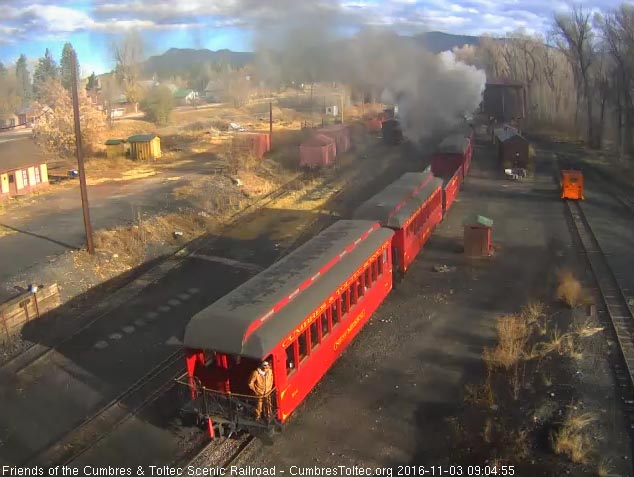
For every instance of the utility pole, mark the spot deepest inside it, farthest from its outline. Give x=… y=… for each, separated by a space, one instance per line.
x=80 y=158
x=342 y=108
x=270 y=124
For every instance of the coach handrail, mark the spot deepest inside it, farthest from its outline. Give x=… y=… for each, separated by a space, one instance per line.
x=200 y=386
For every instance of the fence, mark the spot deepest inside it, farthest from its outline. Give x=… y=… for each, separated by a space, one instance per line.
x=26 y=307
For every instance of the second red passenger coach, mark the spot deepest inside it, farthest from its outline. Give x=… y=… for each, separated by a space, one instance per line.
x=411 y=206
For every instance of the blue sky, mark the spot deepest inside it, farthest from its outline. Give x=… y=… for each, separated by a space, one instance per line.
x=92 y=26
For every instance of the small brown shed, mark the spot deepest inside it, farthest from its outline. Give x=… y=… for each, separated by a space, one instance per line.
x=513 y=149
x=477 y=236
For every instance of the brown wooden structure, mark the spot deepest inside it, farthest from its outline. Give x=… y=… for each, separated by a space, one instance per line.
x=477 y=236
x=26 y=307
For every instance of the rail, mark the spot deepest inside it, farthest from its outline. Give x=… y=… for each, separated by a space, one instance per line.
x=109 y=417
x=613 y=303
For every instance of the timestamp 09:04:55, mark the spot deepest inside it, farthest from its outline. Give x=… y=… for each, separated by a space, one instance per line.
x=448 y=470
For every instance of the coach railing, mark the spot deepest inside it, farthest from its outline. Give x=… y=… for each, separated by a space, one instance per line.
x=231 y=406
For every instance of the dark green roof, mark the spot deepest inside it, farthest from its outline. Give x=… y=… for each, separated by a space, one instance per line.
x=141 y=138
x=114 y=142
x=478 y=220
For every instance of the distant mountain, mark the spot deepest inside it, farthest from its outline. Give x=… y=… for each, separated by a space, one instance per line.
x=179 y=60
x=436 y=41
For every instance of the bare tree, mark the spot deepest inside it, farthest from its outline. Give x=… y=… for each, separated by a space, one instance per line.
x=618 y=36
x=574 y=37
x=128 y=55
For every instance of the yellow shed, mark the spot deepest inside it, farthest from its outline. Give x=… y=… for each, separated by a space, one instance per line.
x=145 y=146
x=115 y=148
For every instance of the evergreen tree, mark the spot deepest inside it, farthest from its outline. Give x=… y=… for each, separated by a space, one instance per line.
x=45 y=71
x=24 y=80
x=93 y=83
x=65 y=65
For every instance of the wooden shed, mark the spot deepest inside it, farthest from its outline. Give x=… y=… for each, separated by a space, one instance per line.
x=115 y=148
x=513 y=149
x=145 y=146
x=477 y=236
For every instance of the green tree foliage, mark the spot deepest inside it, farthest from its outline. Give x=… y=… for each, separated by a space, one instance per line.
x=23 y=79
x=65 y=66
x=92 y=83
x=158 y=105
x=3 y=70
x=45 y=70
x=9 y=97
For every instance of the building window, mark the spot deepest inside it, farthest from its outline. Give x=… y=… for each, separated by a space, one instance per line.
x=37 y=174
x=25 y=177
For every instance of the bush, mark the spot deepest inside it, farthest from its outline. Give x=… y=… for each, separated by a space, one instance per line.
x=158 y=105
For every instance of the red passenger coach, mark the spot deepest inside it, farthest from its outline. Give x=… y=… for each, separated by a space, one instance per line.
x=299 y=315
x=450 y=190
x=454 y=151
x=411 y=206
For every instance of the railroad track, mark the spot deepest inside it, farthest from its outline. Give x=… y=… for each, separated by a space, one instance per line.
x=36 y=352
x=613 y=303
x=108 y=418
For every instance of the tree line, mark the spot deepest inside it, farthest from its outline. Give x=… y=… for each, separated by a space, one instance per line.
x=18 y=89
x=579 y=76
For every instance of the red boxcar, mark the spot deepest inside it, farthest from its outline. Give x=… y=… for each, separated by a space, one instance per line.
x=341 y=134
x=411 y=206
x=451 y=189
x=317 y=151
x=299 y=314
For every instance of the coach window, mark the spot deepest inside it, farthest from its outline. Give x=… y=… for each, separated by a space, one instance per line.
x=314 y=334
x=380 y=265
x=368 y=276
x=302 y=342
x=334 y=310
x=375 y=270
x=360 y=286
x=324 y=325
x=290 y=358
x=345 y=302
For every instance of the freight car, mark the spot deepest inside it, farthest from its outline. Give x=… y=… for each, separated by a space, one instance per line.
x=301 y=313
x=412 y=207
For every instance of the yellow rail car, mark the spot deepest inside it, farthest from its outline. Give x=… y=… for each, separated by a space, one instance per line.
x=572 y=185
